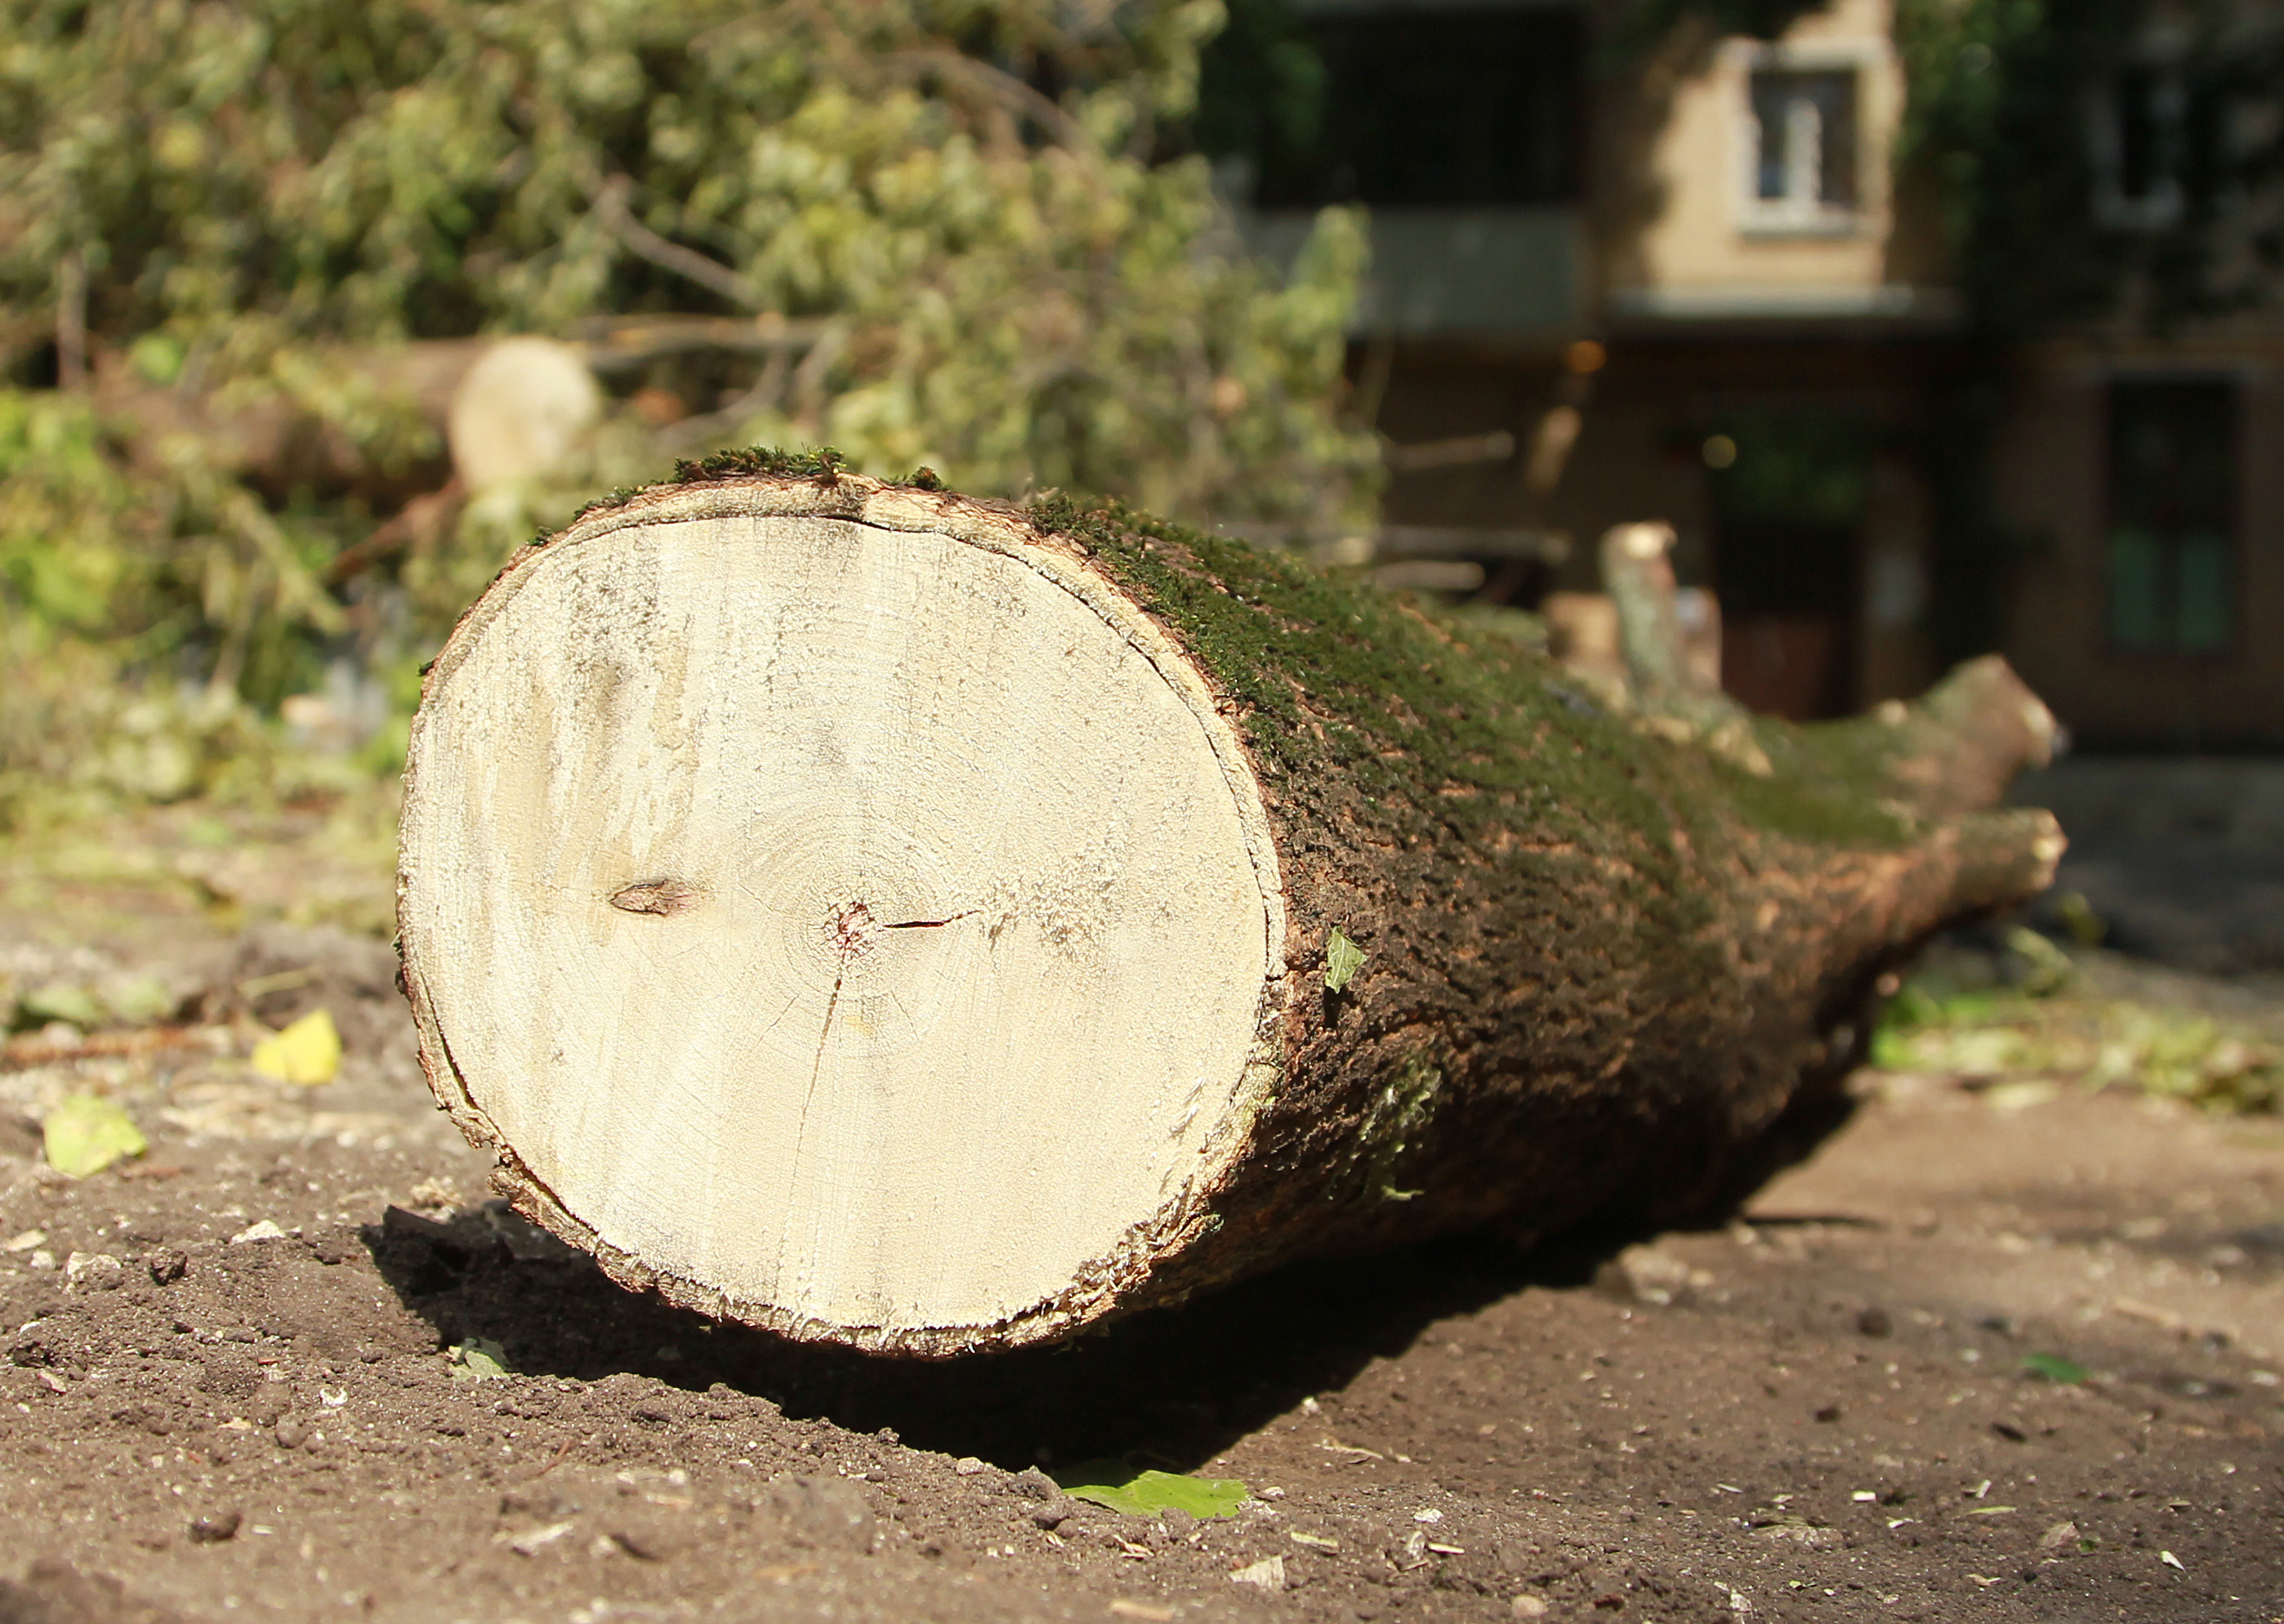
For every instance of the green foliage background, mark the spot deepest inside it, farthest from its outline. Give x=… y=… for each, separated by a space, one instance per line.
x=960 y=204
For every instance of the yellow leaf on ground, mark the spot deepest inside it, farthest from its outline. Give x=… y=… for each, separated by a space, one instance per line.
x=308 y=1052
x=87 y=1133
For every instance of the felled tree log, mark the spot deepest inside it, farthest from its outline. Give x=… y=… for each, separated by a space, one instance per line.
x=527 y=400
x=912 y=922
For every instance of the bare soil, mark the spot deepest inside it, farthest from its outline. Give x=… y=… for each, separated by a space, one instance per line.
x=1817 y=1407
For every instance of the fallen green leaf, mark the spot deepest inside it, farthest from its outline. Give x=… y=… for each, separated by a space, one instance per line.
x=308 y=1052
x=139 y=1000
x=479 y=1359
x=2053 y=1367
x=87 y=1133
x=1343 y=959
x=1119 y=1488
x=59 y=1001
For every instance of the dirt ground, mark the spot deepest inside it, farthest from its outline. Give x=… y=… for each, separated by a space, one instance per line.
x=230 y=1388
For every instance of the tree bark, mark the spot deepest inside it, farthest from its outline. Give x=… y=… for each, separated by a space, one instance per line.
x=902 y=920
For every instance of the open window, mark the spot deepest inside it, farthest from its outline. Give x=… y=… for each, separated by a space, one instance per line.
x=1806 y=163
x=2171 y=560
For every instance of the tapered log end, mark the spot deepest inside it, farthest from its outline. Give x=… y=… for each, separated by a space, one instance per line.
x=858 y=923
x=1969 y=735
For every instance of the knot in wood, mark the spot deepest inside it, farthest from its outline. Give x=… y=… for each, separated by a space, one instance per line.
x=852 y=930
x=665 y=897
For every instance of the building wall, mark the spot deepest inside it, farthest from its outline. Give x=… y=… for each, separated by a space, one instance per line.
x=1698 y=313
x=1696 y=244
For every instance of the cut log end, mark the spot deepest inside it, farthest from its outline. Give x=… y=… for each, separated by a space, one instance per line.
x=869 y=928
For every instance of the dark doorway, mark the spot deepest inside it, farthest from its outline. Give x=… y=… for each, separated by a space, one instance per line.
x=1789 y=487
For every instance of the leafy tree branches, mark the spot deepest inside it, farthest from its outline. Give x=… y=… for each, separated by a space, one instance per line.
x=951 y=203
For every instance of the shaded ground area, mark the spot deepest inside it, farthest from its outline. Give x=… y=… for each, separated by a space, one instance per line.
x=2187 y=901
x=230 y=1386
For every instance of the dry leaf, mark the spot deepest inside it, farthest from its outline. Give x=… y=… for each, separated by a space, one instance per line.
x=307 y=1053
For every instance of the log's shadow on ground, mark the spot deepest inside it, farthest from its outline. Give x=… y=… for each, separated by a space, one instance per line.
x=1170 y=1387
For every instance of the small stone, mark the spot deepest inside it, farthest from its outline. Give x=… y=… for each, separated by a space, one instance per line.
x=1646 y=1275
x=825 y=1513
x=2060 y=1535
x=96 y=1270
x=1527 y=1607
x=538 y=1502
x=531 y=1542
x=649 y=1533
x=214 y=1527
x=1267 y=1574
x=967 y=1465
x=166 y=1264
x=1050 y=1516
x=1828 y=1414
x=291 y=1433
x=263 y=1231
x=1875 y=1321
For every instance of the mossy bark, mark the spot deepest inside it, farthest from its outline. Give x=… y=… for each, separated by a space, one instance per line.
x=1603 y=949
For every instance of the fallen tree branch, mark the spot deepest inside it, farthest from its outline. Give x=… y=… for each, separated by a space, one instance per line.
x=35 y=1048
x=997 y=85
x=611 y=208
x=418 y=524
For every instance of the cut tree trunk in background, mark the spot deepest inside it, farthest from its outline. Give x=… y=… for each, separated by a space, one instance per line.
x=902 y=920
x=529 y=402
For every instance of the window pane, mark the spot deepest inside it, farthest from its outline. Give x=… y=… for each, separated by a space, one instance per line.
x=2139 y=135
x=1806 y=129
x=2173 y=477
x=2137 y=615
x=2206 y=618
x=1771 y=101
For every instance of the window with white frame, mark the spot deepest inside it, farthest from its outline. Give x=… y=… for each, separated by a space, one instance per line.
x=1802 y=128
x=2155 y=132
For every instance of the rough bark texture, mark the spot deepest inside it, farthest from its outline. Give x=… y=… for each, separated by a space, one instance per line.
x=1604 y=948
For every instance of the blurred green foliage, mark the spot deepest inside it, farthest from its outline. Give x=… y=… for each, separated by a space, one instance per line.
x=958 y=206
x=1795 y=467
x=2041 y=1020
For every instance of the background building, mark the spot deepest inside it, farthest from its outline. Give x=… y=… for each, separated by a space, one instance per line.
x=1735 y=282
